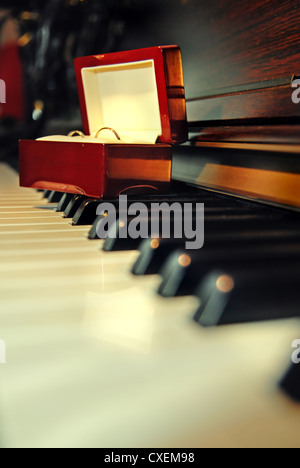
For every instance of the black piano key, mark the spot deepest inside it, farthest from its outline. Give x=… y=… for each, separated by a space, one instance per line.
x=290 y=383
x=86 y=213
x=247 y=225
x=213 y=223
x=264 y=291
x=215 y=210
x=46 y=193
x=73 y=206
x=238 y=220
x=154 y=252
x=118 y=244
x=92 y=235
x=228 y=211
x=64 y=201
x=113 y=244
x=55 y=197
x=121 y=245
x=184 y=270
x=215 y=203
x=270 y=226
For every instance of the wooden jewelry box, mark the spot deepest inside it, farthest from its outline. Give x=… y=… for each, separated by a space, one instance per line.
x=133 y=110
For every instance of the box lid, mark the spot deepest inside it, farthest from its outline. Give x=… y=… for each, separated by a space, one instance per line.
x=139 y=93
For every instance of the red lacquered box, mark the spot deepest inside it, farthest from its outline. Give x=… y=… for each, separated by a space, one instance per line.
x=133 y=110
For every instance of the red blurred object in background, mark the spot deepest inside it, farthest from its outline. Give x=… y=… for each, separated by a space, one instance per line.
x=11 y=72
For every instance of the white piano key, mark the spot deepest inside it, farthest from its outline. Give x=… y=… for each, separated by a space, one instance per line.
x=69 y=246
x=32 y=204
x=46 y=261
x=36 y=222
x=44 y=237
x=25 y=216
x=26 y=195
x=28 y=230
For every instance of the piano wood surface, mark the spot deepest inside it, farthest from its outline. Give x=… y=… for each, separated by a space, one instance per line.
x=96 y=359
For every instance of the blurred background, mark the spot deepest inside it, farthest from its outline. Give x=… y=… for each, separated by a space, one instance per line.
x=40 y=39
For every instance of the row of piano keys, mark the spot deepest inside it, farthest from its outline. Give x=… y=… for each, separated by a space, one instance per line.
x=95 y=358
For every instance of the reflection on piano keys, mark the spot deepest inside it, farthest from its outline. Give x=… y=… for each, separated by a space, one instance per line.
x=96 y=359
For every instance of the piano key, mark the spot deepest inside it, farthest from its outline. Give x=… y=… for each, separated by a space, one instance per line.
x=118 y=244
x=46 y=261
x=31 y=221
x=64 y=201
x=220 y=210
x=55 y=197
x=248 y=220
x=9 y=213
x=290 y=383
x=216 y=205
x=49 y=237
x=20 y=204
x=92 y=235
x=86 y=213
x=62 y=245
x=184 y=270
x=73 y=206
x=47 y=194
x=154 y=252
x=22 y=230
x=274 y=226
x=95 y=414
x=18 y=197
x=247 y=293
x=67 y=283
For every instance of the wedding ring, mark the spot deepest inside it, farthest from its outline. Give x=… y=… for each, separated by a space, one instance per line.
x=111 y=130
x=76 y=133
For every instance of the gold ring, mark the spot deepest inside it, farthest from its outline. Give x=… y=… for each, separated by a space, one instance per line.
x=76 y=133
x=111 y=130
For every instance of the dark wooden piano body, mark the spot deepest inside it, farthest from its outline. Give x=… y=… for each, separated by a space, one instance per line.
x=240 y=59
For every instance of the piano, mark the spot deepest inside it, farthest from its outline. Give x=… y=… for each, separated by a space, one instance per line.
x=112 y=343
